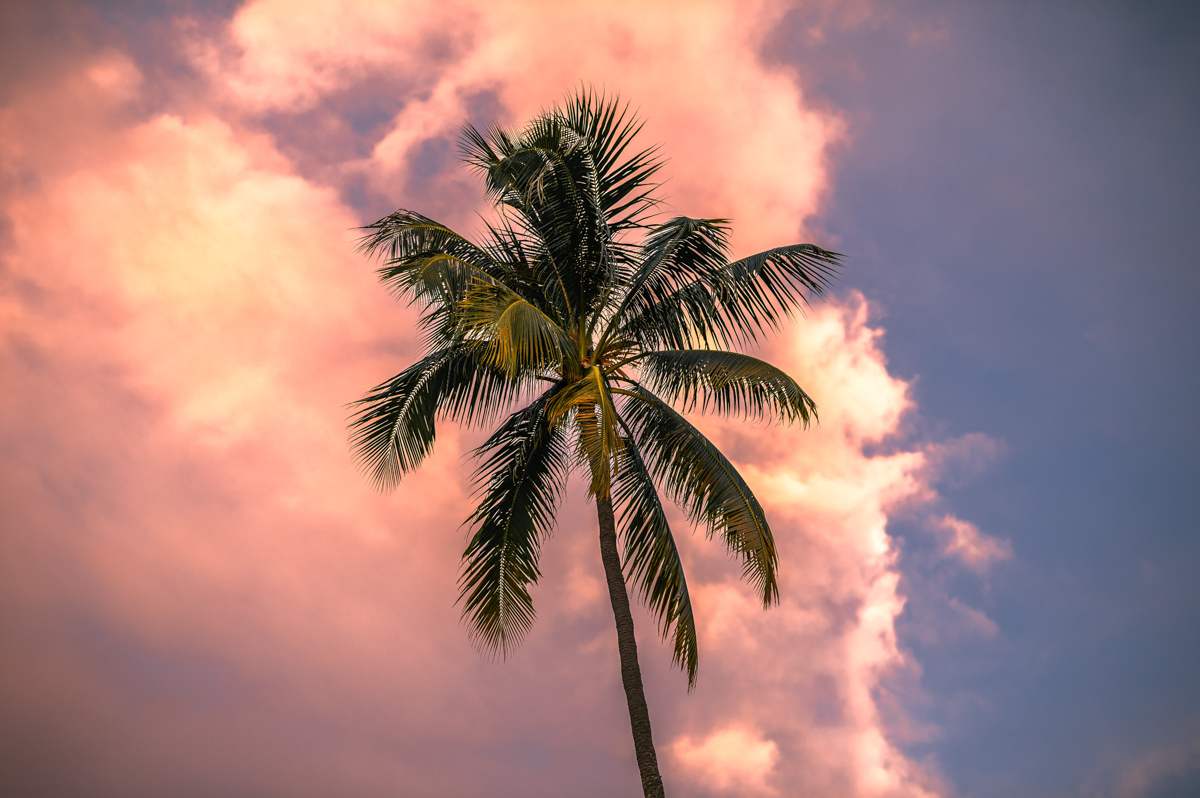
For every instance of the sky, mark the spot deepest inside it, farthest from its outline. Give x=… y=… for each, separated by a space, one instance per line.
x=987 y=552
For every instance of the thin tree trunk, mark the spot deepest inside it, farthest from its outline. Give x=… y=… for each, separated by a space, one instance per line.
x=631 y=674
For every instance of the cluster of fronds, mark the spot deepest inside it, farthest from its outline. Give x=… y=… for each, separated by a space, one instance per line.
x=613 y=323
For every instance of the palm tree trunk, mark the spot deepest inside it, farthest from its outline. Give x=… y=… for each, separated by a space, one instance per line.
x=631 y=674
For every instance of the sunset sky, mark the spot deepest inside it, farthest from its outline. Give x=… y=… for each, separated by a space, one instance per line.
x=988 y=545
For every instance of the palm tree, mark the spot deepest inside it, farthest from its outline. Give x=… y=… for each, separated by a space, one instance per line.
x=590 y=326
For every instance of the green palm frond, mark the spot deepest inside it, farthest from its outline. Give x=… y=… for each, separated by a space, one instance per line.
x=652 y=560
x=521 y=479
x=518 y=255
x=556 y=269
x=422 y=257
x=568 y=215
x=546 y=186
x=511 y=333
x=431 y=266
x=624 y=183
x=568 y=178
x=734 y=304
x=705 y=485
x=757 y=292
x=394 y=429
x=726 y=383
x=675 y=253
x=678 y=253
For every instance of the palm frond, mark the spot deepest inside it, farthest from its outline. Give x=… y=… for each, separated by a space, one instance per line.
x=423 y=259
x=680 y=252
x=726 y=383
x=626 y=193
x=394 y=429
x=757 y=292
x=589 y=403
x=518 y=255
x=546 y=177
x=705 y=485
x=512 y=334
x=521 y=479
x=652 y=559
x=568 y=178
x=736 y=303
x=568 y=214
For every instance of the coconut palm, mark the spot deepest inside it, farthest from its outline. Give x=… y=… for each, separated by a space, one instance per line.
x=586 y=327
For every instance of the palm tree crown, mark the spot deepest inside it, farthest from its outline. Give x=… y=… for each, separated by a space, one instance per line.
x=590 y=326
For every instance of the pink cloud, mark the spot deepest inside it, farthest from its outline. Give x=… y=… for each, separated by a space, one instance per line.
x=689 y=66
x=1153 y=770
x=821 y=656
x=972 y=546
x=734 y=760
x=958 y=460
x=200 y=588
x=281 y=56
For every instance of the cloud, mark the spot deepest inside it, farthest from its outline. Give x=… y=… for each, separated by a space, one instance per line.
x=974 y=619
x=197 y=586
x=820 y=658
x=958 y=460
x=966 y=542
x=690 y=67
x=1171 y=770
x=188 y=543
x=732 y=759
x=276 y=58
